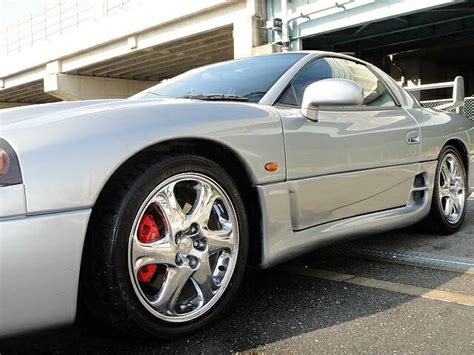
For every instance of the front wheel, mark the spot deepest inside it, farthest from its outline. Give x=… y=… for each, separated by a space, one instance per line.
x=170 y=256
x=449 y=194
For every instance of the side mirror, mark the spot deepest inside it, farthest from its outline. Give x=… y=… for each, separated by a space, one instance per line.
x=330 y=92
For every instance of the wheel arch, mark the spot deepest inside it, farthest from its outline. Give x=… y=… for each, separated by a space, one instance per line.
x=463 y=151
x=217 y=152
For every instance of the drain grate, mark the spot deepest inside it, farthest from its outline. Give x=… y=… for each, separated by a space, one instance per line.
x=406 y=257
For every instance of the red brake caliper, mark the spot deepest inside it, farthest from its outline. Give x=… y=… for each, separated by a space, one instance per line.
x=147 y=233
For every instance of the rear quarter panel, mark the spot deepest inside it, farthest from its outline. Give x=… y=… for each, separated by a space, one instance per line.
x=438 y=128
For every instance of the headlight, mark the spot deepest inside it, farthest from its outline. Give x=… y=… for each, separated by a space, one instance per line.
x=10 y=173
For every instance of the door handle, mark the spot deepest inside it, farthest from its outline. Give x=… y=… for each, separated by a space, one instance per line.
x=413 y=137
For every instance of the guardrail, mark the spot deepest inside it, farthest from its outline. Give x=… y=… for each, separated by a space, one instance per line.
x=56 y=18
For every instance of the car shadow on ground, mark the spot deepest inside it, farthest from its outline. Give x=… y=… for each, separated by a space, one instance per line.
x=272 y=305
x=421 y=239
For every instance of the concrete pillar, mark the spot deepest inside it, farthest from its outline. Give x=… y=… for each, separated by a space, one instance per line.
x=249 y=29
x=78 y=87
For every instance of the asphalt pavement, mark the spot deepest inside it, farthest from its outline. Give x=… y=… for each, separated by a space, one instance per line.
x=323 y=302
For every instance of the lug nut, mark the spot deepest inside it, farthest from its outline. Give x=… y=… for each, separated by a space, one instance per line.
x=193 y=262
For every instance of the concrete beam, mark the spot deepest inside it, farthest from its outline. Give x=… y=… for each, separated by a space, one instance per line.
x=269 y=48
x=78 y=87
x=12 y=104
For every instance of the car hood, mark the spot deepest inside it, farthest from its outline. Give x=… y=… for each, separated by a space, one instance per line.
x=27 y=115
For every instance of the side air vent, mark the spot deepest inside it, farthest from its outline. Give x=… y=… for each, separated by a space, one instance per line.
x=419 y=189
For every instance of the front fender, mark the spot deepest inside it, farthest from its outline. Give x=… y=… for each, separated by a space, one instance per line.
x=66 y=162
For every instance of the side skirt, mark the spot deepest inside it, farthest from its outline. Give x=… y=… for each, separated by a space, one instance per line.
x=280 y=242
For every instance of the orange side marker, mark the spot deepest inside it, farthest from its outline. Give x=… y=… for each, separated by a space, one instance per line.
x=271 y=166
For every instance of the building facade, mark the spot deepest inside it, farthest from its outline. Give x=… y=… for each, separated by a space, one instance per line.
x=83 y=49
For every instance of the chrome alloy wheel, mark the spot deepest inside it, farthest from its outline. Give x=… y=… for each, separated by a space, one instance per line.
x=451 y=189
x=183 y=247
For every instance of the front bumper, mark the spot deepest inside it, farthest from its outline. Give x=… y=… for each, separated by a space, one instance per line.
x=40 y=259
x=12 y=201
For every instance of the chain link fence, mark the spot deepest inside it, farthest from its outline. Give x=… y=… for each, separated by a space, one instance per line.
x=467 y=109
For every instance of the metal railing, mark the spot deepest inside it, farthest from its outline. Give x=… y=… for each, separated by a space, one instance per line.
x=458 y=91
x=55 y=19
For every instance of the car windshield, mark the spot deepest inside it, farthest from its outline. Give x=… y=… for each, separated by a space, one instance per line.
x=243 y=79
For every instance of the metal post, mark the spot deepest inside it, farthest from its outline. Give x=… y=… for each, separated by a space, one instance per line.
x=285 y=36
x=287 y=21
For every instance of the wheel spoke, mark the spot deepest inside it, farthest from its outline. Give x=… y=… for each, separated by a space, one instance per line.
x=443 y=192
x=451 y=165
x=204 y=280
x=219 y=239
x=202 y=208
x=446 y=174
x=172 y=287
x=156 y=253
x=448 y=207
x=457 y=203
x=171 y=209
x=455 y=169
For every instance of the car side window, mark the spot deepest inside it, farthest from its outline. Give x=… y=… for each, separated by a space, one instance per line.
x=376 y=94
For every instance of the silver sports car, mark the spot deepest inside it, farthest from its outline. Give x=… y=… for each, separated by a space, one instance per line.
x=146 y=211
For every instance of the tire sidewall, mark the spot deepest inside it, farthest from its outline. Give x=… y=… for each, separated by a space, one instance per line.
x=129 y=208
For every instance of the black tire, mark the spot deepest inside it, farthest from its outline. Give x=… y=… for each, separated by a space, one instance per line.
x=436 y=221
x=106 y=285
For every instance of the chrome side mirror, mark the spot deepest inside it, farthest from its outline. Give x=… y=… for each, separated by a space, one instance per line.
x=330 y=92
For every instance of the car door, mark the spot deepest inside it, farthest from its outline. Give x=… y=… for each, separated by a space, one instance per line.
x=355 y=159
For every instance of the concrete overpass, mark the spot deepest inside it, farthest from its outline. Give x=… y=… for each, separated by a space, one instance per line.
x=114 y=48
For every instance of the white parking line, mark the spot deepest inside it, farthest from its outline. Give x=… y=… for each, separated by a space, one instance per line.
x=433 y=294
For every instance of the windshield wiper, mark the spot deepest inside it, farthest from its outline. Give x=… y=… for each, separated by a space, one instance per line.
x=216 y=97
x=256 y=94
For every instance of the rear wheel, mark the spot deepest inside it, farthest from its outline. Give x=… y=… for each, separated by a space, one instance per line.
x=449 y=195
x=169 y=254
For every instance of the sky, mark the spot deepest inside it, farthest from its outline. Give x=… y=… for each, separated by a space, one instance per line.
x=13 y=10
